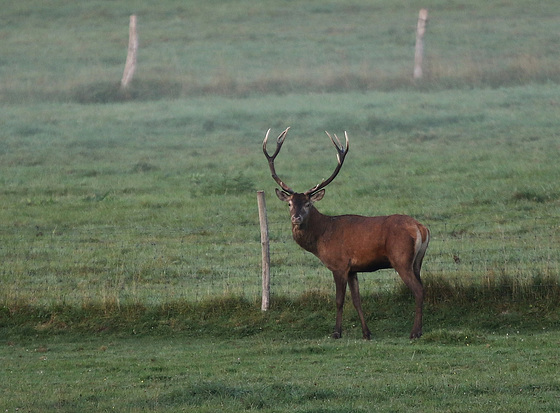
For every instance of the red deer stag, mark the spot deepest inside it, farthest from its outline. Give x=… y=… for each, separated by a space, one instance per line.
x=348 y=244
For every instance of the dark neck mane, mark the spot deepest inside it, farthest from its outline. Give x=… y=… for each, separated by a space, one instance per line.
x=307 y=234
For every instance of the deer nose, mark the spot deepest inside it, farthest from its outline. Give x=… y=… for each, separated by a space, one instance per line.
x=297 y=219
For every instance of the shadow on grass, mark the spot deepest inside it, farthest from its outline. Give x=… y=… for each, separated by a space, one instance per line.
x=496 y=304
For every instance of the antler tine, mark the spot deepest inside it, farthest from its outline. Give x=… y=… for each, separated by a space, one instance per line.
x=341 y=154
x=340 y=149
x=270 y=158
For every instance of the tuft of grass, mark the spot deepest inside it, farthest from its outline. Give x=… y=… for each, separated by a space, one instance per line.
x=540 y=290
x=235 y=183
x=534 y=196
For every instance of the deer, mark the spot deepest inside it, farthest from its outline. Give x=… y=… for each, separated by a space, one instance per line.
x=349 y=244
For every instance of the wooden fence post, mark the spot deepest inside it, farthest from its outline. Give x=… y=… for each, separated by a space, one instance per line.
x=130 y=66
x=265 y=247
x=419 y=50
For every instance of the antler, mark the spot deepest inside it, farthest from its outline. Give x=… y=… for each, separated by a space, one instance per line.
x=341 y=154
x=270 y=158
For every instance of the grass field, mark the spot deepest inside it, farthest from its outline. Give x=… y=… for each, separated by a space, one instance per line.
x=505 y=373
x=135 y=202
x=129 y=243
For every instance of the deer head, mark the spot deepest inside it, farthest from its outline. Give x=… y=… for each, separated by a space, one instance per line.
x=301 y=204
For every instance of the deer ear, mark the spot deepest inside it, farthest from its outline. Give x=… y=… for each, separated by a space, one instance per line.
x=282 y=196
x=318 y=196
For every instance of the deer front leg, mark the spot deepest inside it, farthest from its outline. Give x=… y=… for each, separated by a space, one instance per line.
x=340 y=280
x=355 y=291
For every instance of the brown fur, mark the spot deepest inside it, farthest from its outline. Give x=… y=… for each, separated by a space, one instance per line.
x=348 y=244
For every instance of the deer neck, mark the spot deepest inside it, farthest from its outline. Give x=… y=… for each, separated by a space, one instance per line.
x=307 y=234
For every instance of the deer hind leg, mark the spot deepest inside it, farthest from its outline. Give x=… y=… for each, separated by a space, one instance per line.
x=408 y=262
x=340 y=280
x=414 y=283
x=355 y=291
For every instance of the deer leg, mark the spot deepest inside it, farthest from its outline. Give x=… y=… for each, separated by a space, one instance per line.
x=415 y=285
x=340 y=280
x=355 y=291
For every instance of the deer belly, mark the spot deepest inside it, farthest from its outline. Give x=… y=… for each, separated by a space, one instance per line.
x=369 y=265
x=356 y=265
x=366 y=255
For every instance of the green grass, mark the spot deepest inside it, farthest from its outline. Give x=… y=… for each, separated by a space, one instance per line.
x=273 y=376
x=224 y=354
x=277 y=361
x=76 y=51
x=139 y=202
x=129 y=241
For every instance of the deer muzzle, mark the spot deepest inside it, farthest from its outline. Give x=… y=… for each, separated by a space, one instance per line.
x=297 y=219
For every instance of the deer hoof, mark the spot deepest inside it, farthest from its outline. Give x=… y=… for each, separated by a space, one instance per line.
x=367 y=336
x=336 y=335
x=415 y=334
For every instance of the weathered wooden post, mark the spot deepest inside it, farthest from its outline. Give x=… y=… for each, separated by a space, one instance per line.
x=265 y=247
x=419 y=51
x=130 y=66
